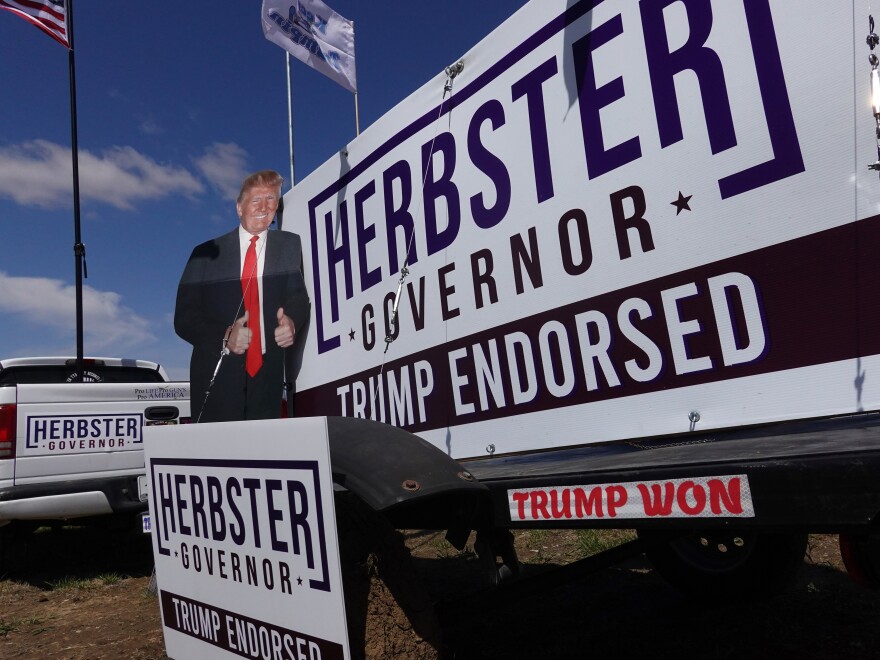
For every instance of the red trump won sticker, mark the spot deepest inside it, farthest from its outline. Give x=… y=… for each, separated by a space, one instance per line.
x=699 y=497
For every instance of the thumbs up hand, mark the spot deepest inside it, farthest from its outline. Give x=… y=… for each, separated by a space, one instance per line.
x=285 y=332
x=238 y=335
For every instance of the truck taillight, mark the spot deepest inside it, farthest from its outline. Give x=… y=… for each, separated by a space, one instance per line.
x=7 y=431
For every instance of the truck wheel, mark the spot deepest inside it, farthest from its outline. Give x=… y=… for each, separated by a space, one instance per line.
x=388 y=611
x=727 y=563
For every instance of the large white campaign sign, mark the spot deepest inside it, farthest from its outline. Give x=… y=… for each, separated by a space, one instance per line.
x=622 y=218
x=244 y=540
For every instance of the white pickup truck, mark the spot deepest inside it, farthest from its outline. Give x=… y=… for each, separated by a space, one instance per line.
x=75 y=449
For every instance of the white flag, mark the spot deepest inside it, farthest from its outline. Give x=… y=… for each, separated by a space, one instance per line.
x=315 y=34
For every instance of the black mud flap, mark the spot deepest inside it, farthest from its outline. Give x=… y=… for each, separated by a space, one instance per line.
x=415 y=484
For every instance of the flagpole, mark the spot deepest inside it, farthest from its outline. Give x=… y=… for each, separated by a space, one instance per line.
x=289 y=391
x=357 y=119
x=290 y=117
x=79 y=250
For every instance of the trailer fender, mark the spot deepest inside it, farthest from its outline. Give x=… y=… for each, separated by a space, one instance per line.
x=412 y=482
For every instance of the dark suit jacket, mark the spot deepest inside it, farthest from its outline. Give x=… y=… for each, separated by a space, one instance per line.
x=209 y=300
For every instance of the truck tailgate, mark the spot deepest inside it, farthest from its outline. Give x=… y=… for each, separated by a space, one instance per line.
x=89 y=430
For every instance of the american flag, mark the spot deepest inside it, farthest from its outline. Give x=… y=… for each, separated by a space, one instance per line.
x=48 y=15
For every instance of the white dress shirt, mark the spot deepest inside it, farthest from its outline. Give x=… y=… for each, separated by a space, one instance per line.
x=244 y=242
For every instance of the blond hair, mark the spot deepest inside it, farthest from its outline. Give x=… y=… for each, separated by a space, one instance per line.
x=261 y=178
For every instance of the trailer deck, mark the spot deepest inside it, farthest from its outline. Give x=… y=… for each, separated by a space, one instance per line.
x=818 y=475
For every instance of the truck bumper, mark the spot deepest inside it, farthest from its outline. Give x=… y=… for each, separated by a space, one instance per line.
x=71 y=499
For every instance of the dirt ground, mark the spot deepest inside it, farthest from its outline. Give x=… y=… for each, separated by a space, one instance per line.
x=82 y=593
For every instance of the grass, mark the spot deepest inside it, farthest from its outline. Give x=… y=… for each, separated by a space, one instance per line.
x=7 y=627
x=593 y=541
x=536 y=542
x=571 y=545
x=108 y=579
x=69 y=583
x=443 y=549
x=537 y=536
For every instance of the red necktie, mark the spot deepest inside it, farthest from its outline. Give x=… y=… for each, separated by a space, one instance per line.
x=251 y=292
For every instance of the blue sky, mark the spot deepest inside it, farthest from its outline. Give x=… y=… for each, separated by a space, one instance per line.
x=176 y=103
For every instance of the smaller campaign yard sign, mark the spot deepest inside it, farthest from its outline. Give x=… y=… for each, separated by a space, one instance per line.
x=244 y=540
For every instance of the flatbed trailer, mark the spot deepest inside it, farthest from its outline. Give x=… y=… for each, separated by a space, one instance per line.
x=722 y=511
x=795 y=478
x=811 y=475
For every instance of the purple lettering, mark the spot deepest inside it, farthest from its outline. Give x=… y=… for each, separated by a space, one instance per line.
x=399 y=217
x=530 y=86
x=592 y=99
x=365 y=233
x=663 y=65
x=490 y=165
x=787 y=158
x=337 y=254
x=434 y=188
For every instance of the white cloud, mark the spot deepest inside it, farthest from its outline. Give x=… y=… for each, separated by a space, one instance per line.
x=107 y=324
x=150 y=126
x=39 y=173
x=224 y=165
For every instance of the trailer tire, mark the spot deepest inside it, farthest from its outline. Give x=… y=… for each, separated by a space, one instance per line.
x=727 y=563
x=387 y=609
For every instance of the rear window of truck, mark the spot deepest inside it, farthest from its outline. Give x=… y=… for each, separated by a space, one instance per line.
x=65 y=374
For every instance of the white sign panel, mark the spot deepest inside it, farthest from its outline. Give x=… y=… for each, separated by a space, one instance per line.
x=244 y=540
x=623 y=212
